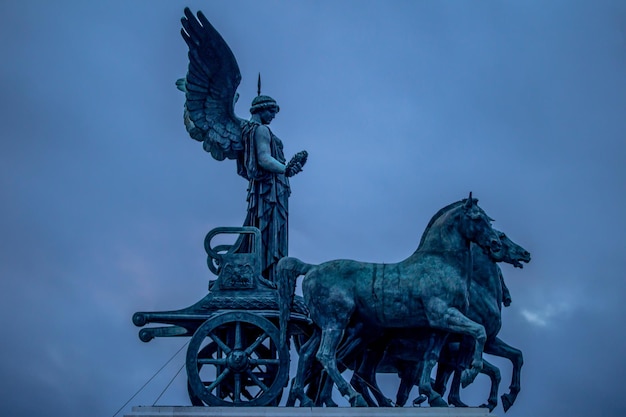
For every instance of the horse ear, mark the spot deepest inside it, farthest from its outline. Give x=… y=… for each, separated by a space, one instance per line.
x=469 y=202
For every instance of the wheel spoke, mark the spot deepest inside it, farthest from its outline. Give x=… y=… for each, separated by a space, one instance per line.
x=257 y=381
x=237 y=394
x=257 y=362
x=218 y=380
x=256 y=343
x=211 y=361
x=237 y=335
x=220 y=343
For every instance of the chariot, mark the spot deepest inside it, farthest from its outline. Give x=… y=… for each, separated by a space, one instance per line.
x=234 y=357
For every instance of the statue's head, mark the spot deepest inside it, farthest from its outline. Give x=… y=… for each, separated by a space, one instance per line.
x=261 y=102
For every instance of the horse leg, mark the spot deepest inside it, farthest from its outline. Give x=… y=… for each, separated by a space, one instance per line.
x=462 y=360
x=409 y=373
x=445 y=367
x=364 y=377
x=430 y=358
x=499 y=348
x=444 y=371
x=326 y=394
x=327 y=355
x=454 y=397
x=494 y=374
x=305 y=361
x=450 y=319
x=353 y=341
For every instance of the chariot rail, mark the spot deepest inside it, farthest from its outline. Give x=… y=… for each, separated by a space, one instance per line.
x=234 y=356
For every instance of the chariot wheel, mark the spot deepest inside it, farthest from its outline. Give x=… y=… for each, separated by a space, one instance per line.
x=233 y=359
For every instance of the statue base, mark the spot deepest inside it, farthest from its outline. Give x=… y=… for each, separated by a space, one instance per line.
x=167 y=411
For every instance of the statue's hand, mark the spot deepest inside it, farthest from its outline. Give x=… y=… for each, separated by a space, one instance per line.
x=293 y=169
x=296 y=163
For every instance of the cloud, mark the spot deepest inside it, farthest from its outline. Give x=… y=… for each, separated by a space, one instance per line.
x=547 y=315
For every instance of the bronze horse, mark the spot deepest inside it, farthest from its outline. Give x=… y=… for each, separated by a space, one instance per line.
x=402 y=353
x=428 y=290
x=486 y=308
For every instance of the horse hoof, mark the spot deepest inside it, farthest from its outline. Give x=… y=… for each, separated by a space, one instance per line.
x=419 y=400
x=467 y=377
x=358 y=401
x=438 y=402
x=330 y=403
x=457 y=403
x=307 y=402
x=386 y=403
x=490 y=405
x=507 y=401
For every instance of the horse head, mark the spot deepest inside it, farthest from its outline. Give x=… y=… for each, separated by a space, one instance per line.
x=476 y=226
x=511 y=252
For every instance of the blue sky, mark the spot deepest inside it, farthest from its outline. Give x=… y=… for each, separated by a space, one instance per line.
x=403 y=107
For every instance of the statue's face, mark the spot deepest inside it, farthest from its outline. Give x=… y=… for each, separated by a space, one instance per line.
x=267 y=115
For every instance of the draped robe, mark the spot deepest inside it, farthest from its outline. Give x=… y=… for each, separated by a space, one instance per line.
x=268 y=197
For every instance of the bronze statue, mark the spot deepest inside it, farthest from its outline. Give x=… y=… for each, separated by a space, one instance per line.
x=428 y=290
x=210 y=90
x=240 y=330
x=403 y=355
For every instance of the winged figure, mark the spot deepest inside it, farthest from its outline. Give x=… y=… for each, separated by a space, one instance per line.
x=210 y=89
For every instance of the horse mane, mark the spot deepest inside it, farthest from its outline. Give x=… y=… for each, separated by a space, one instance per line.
x=436 y=216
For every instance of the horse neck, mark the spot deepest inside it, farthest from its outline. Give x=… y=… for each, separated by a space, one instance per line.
x=444 y=236
x=485 y=271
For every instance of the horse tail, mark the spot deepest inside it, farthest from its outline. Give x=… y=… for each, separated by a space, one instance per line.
x=288 y=270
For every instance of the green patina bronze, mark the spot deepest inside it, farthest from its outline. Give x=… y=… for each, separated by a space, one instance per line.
x=210 y=89
x=441 y=305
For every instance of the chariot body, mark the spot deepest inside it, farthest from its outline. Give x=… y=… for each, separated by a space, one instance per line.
x=234 y=357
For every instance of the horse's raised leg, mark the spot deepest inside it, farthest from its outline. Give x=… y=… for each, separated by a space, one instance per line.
x=499 y=348
x=305 y=361
x=327 y=355
x=450 y=319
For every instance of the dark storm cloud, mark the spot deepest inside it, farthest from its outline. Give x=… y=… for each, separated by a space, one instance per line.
x=403 y=107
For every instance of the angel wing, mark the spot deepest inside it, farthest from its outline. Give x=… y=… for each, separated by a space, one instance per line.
x=210 y=89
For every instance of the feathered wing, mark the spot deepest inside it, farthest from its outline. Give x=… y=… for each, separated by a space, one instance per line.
x=210 y=87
